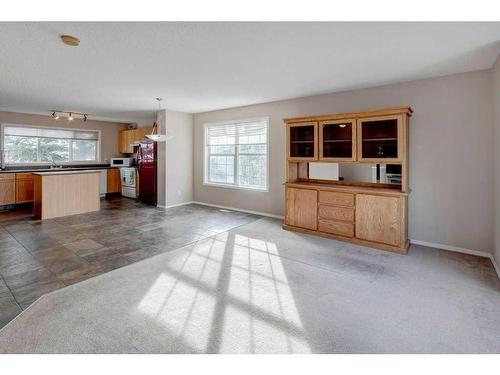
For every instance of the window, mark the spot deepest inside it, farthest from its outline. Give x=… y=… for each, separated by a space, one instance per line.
x=236 y=154
x=31 y=145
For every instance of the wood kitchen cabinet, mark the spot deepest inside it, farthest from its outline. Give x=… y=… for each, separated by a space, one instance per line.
x=130 y=136
x=114 y=181
x=7 y=188
x=24 y=187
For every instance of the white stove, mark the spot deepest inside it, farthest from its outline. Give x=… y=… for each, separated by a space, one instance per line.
x=129 y=182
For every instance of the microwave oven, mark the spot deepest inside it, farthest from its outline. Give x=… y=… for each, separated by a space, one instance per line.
x=122 y=162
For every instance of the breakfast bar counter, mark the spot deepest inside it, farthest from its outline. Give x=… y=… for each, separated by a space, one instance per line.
x=65 y=193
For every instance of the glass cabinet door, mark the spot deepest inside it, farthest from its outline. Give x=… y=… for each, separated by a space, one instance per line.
x=337 y=140
x=302 y=140
x=380 y=139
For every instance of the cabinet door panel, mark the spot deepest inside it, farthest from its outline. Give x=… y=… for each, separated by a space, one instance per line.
x=337 y=140
x=378 y=219
x=124 y=141
x=24 y=190
x=7 y=192
x=114 y=181
x=302 y=208
x=381 y=139
x=302 y=141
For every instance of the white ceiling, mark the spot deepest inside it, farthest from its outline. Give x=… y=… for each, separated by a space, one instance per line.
x=119 y=68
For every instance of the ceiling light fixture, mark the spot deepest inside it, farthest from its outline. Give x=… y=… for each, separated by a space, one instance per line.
x=70 y=40
x=154 y=136
x=71 y=115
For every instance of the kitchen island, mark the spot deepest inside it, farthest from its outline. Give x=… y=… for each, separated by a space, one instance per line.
x=65 y=193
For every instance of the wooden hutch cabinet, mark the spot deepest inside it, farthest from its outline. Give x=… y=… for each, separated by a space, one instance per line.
x=371 y=214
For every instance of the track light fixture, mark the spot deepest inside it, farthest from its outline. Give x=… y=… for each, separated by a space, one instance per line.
x=71 y=115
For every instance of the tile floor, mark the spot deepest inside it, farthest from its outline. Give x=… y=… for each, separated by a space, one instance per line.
x=38 y=257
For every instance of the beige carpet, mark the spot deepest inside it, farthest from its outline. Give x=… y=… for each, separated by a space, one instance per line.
x=259 y=289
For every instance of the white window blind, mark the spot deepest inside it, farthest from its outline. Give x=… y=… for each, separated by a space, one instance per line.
x=236 y=154
x=32 y=145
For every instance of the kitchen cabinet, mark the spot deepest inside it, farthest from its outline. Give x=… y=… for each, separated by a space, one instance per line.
x=24 y=187
x=66 y=193
x=7 y=188
x=130 y=136
x=114 y=181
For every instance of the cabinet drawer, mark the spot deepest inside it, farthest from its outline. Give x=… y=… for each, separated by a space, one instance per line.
x=341 y=199
x=336 y=213
x=336 y=227
x=24 y=176
x=7 y=176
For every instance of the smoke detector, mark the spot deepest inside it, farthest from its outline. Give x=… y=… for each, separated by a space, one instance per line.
x=70 y=40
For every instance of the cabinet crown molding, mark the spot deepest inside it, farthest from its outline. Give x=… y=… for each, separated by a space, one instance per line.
x=407 y=110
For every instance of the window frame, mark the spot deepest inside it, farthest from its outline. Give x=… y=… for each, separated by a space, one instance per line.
x=82 y=162
x=206 y=182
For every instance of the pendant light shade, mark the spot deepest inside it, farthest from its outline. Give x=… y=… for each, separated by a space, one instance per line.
x=154 y=136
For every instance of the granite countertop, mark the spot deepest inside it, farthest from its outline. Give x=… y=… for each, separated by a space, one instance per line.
x=57 y=173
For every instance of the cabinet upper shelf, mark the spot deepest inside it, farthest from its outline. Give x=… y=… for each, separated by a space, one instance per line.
x=373 y=136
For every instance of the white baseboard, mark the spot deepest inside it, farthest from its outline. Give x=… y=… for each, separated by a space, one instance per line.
x=457 y=249
x=239 y=209
x=495 y=265
x=180 y=204
x=175 y=205
x=463 y=250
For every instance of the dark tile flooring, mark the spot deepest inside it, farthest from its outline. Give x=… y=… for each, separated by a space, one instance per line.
x=37 y=257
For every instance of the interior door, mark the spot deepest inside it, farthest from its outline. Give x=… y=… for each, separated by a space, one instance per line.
x=378 y=219
x=302 y=208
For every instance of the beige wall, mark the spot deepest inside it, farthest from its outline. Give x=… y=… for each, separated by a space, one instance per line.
x=161 y=165
x=109 y=130
x=179 y=158
x=175 y=158
x=496 y=142
x=451 y=154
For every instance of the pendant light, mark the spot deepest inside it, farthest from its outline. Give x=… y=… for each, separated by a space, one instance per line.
x=154 y=136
